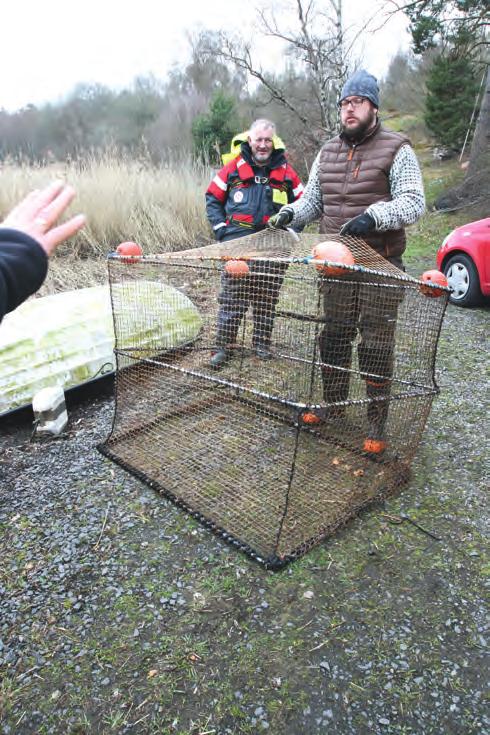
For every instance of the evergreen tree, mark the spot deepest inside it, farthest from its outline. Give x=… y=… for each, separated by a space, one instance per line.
x=459 y=23
x=451 y=90
x=212 y=131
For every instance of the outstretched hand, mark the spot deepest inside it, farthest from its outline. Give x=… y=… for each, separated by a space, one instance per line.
x=37 y=215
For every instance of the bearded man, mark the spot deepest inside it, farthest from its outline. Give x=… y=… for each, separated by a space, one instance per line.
x=365 y=182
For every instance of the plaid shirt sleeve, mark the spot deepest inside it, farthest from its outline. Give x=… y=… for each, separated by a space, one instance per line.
x=407 y=203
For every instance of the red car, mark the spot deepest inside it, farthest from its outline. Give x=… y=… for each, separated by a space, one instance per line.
x=464 y=258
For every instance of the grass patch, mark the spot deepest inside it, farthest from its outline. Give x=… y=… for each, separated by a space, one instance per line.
x=424 y=237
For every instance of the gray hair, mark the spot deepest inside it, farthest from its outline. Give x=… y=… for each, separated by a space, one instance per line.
x=262 y=123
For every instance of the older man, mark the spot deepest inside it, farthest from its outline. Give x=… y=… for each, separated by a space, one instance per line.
x=241 y=198
x=365 y=182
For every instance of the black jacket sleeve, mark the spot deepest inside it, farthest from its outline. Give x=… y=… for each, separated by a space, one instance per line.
x=23 y=268
x=216 y=215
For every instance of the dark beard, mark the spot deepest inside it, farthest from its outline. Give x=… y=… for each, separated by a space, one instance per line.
x=359 y=131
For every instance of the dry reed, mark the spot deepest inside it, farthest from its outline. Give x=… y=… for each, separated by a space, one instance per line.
x=160 y=207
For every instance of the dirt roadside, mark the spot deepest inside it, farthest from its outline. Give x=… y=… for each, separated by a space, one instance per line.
x=120 y=614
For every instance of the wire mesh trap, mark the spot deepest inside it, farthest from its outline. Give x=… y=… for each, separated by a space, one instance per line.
x=270 y=394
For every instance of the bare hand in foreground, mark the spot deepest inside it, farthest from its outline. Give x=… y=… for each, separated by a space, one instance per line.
x=38 y=213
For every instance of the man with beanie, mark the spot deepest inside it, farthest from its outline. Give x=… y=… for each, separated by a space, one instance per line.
x=365 y=182
x=250 y=188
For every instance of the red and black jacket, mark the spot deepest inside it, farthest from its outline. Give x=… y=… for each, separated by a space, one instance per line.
x=243 y=195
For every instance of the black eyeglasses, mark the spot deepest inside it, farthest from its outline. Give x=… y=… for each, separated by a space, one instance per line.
x=354 y=101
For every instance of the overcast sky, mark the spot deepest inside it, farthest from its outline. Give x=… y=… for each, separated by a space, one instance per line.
x=48 y=47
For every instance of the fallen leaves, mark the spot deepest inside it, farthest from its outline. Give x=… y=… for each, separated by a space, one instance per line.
x=347 y=467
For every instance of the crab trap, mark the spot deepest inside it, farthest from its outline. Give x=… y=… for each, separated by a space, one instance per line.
x=271 y=386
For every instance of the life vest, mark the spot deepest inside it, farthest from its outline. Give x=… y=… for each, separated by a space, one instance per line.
x=243 y=196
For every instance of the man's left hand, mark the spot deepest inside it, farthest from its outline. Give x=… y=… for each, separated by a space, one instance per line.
x=360 y=225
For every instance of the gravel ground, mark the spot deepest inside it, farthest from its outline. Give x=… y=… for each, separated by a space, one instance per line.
x=120 y=614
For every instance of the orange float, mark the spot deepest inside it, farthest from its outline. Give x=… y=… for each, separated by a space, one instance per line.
x=310 y=418
x=131 y=251
x=374 y=446
x=237 y=268
x=435 y=277
x=335 y=252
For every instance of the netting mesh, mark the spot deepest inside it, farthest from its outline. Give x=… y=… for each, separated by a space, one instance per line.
x=274 y=404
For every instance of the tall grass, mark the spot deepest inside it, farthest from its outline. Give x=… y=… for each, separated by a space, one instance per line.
x=162 y=208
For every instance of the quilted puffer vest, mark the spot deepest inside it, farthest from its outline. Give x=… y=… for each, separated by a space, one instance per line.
x=353 y=176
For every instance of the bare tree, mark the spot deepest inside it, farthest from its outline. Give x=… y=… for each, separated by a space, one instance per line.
x=317 y=43
x=480 y=147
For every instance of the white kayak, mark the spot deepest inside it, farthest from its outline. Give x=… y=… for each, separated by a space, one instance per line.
x=67 y=339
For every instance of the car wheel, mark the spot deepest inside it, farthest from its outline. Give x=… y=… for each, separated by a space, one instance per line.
x=462 y=278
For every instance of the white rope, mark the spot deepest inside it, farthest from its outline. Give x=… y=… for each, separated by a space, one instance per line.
x=472 y=116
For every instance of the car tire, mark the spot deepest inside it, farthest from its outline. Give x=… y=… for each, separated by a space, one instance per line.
x=462 y=277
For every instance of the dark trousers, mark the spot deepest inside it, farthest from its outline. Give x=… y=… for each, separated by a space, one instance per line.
x=260 y=290
x=372 y=311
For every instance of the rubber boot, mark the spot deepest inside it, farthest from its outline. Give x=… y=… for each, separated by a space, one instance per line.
x=219 y=358
x=335 y=389
x=263 y=352
x=377 y=414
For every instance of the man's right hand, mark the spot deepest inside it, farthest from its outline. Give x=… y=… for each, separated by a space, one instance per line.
x=220 y=233
x=281 y=220
x=38 y=216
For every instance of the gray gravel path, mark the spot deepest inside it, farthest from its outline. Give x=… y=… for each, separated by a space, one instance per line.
x=119 y=614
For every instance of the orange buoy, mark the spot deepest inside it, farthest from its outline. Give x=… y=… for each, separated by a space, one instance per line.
x=131 y=251
x=374 y=446
x=335 y=252
x=237 y=268
x=310 y=418
x=435 y=277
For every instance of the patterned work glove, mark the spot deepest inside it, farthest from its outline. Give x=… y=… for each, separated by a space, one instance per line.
x=360 y=225
x=281 y=220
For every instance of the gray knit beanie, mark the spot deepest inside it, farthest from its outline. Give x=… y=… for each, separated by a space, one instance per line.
x=361 y=84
